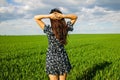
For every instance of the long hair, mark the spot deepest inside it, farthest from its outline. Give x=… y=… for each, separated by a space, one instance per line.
x=59 y=28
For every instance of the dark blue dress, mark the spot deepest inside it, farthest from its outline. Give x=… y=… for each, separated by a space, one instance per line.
x=57 y=61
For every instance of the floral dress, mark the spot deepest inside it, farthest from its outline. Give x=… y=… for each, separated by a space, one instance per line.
x=57 y=61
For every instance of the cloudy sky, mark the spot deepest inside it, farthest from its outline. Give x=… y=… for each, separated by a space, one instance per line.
x=94 y=16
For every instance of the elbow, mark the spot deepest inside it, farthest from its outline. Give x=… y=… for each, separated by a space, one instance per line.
x=35 y=17
x=75 y=16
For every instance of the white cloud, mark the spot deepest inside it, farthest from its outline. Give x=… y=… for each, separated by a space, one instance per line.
x=3 y=3
x=32 y=4
x=64 y=10
x=92 y=15
x=90 y=1
x=99 y=14
x=20 y=27
x=93 y=10
x=9 y=9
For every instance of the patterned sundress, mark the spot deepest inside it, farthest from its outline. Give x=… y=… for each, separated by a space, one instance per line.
x=57 y=61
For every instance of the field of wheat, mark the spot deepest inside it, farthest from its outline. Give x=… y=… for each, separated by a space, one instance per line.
x=92 y=56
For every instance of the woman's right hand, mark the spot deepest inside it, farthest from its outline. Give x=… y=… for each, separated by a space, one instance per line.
x=56 y=16
x=52 y=16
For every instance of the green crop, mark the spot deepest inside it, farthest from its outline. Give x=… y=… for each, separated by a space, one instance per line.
x=92 y=56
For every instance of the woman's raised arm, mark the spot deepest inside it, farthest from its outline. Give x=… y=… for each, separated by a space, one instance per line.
x=72 y=17
x=39 y=18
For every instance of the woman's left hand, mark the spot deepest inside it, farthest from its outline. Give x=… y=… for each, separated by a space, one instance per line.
x=56 y=16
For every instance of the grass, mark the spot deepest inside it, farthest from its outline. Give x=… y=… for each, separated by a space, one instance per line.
x=93 y=57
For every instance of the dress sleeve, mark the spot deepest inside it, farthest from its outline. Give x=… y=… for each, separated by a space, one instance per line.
x=70 y=26
x=46 y=29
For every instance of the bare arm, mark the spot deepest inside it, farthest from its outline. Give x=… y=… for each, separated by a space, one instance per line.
x=72 y=17
x=39 y=18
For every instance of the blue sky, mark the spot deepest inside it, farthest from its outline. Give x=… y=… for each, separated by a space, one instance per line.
x=94 y=16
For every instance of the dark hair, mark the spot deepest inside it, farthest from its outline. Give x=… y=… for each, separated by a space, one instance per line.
x=55 y=10
x=59 y=28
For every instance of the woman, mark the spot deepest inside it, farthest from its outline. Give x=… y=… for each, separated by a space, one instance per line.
x=57 y=62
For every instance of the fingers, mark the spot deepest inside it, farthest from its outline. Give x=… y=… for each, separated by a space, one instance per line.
x=59 y=15
x=56 y=16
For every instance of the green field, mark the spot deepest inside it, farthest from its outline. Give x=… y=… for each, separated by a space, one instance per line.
x=93 y=57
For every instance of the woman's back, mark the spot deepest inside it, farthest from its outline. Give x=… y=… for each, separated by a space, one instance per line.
x=57 y=61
